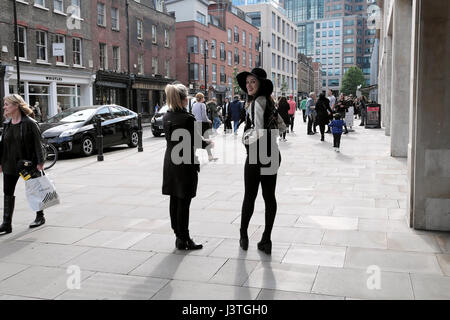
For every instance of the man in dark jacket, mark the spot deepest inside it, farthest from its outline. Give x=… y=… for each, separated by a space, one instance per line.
x=226 y=115
x=236 y=108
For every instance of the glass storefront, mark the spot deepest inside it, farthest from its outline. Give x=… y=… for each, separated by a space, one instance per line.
x=39 y=99
x=68 y=96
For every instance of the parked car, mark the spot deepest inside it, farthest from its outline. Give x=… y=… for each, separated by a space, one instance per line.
x=73 y=129
x=156 y=123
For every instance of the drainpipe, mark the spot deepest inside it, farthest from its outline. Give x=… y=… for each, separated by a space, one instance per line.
x=129 y=92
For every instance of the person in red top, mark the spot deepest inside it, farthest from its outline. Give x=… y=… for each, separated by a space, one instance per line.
x=291 y=111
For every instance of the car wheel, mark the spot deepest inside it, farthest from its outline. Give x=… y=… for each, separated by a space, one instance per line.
x=134 y=139
x=156 y=134
x=87 y=146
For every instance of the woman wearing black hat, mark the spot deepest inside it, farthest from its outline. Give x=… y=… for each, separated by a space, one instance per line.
x=259 y=143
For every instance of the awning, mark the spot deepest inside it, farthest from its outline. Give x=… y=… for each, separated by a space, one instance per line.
x=111 y=84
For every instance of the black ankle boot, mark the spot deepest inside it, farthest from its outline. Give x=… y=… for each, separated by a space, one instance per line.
x=39 y=221
x=266 y=246
x=243 y=241
x=8 y=210
x=186 y=243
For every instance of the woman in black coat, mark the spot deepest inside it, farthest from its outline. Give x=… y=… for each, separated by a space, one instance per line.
x=21 y=140
x=181 y=166
x=283 y=111
x=323 y=114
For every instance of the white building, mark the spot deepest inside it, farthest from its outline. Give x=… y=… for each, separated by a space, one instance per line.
x=278 y=44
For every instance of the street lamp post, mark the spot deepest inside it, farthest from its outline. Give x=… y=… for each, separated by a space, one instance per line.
x=205 y=56
x=16 y=45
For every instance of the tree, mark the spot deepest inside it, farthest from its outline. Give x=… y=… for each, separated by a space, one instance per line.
x=236 y=89
x=351 y=80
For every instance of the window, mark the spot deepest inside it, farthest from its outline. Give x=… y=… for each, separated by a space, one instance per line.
x=333 y=82
x=337 y=60
x=318 y=34
x=116 y=59
x=201 y=18
x=324 y=34
x=201 y=46
x=140 y=64
x=58 y=5
x=236 y=56
x=61 y=39
x=330 y=72
x=243 y=38
x=102 y=57
x=114 y=18
x=337 y=41
x=202 y=73
x=250 y=62
x=337 y=23
x=140 y=31
x=273 y=21
x=274 y=44
x=337 y=33
x=167 y=68
x=348 y=50
x=317 y=25
x=337 y=50
x=244 y=58
x=222 y=51
x=330 y=33
x=213 y=48
x=229 y=58
x=154 y=65
x=278 y=24
x=317 y=52
x=324 y=51
x=348 y=60
x=229 y=35
x=349 y=41
x=274 y=60
x=278 y=62
x=40 y=3
x=330 y=50
x=76 y=44
x=284 y=28
x=22 y=33
x=324 y=42
x=330 y=42
x=153 y=33
x=214 y=73
x=192 y=44
x=193 y=71
x=337 y=72
x=101 y=14
x=41 y=45
x=250 y=41
x=222 y=74
x=76 y=8
x=236 y=34
x=348 y=32
x=166 y=38
x=349 y=23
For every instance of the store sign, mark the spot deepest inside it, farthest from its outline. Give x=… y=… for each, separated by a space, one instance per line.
x=59 y=49
x=53 y=78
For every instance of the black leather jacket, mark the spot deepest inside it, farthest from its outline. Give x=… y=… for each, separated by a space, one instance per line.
x=30 y=143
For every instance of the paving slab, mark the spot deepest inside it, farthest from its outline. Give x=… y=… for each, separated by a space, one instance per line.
x=267 y=294
x=113 y=239
x=59 y=235
x=362 y=239
x=234 y=272
x=429 y=287
x=316 y=255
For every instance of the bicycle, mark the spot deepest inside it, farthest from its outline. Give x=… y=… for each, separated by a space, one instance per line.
x=50 y=155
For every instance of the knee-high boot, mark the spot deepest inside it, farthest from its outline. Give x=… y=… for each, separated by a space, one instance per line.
x=8 y=210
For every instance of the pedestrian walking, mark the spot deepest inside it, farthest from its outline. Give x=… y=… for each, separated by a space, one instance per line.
x=283 y=111
x=303 y=108
x=21 y=140
x=212 y=109
x=180 y=178
x=259 y=108
x=341 y=107
x=226 y=115
x=236 y=111
x=292 y=107
x=363 y=110
x=336 y=128
x=350 y=111
x=37 y=114
x=323 y=111
x=332 y=100
x=311 y=113
x=200 y=114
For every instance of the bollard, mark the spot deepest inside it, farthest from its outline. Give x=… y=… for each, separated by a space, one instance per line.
x=140 y=148
x=98 y=125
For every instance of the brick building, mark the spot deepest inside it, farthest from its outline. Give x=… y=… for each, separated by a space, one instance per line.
x=229 y=37
x=305 y=75
x=55 y=53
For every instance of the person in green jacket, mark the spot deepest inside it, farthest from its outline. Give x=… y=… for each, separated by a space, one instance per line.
x=303 y=108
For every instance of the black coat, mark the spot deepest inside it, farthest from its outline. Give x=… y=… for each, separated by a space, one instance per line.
x=323 y=111
x=181 y=179
x=283 y=111
x=30 y=144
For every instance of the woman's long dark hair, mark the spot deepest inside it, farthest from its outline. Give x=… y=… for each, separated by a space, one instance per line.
x=267 y=95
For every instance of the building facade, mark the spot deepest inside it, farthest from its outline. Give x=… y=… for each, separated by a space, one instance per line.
x=414 y=97
x=278 y=45
x=305 y=75
x=214 y=43
x=318 y=74
x=55 y=53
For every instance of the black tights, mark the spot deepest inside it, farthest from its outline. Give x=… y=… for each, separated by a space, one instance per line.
x=322 y=129
x=179 y=216
x=252 y=179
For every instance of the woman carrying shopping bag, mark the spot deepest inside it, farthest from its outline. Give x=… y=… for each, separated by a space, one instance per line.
x=21 y=140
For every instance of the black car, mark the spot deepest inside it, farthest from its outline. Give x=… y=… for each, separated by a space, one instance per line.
x=73 y=129
x=157 y=121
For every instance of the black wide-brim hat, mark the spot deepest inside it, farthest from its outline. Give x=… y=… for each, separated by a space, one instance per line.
x=265 y=85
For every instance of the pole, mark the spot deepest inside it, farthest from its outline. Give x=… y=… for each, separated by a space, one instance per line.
x=16 y=34
x=98 y=125
x=140 y=148
x=206 y=83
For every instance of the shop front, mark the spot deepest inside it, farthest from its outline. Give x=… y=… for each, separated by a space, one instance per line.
x=112 y=88
x=149 y=94
x=50 y=90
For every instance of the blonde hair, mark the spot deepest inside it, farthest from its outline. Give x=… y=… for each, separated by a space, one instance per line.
x=175 y=94
x=199 y=96
x=18 y=100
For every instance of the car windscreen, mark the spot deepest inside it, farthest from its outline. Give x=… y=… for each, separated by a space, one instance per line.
x=73 y=115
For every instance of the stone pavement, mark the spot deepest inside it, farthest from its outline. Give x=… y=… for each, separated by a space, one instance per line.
x=341 y=217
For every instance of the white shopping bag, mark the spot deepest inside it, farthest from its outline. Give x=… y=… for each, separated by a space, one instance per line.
x=41 y=193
